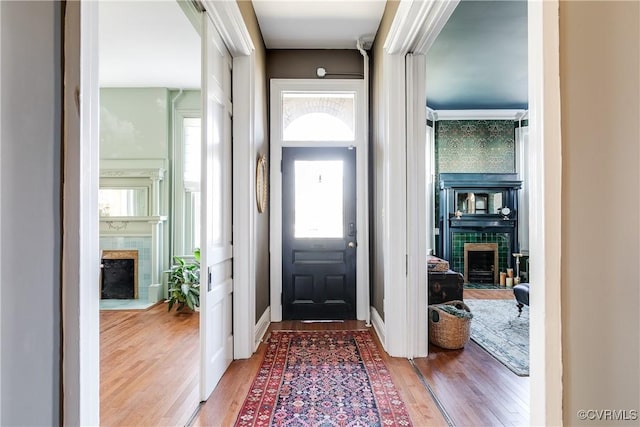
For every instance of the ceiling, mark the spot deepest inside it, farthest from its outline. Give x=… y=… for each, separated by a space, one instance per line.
x=317 y=24
x=147 y=44
x=479 y=61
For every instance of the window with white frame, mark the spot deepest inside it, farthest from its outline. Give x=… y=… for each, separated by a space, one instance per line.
x=187 y=185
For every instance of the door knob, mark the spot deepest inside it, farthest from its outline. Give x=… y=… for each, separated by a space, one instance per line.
x=352 y=244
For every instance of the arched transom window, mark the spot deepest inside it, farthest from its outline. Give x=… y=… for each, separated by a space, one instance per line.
x=318 y=116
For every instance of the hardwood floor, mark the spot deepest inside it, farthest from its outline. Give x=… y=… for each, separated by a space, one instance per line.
x=472 y=386
x=149 y=367
x=223 y=406
x=150 y=373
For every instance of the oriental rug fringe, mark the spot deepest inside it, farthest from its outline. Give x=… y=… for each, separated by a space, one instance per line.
x=323 y=378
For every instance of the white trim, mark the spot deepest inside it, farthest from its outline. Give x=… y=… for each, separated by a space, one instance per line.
x=227 y=19
x=1 y=343
x=418 y=233
x=80 y=319
x=545 y=216
x=261 y=328
x=394 y=222
x=244 y=210
x=378 y=324
x=362 y=263
x=362 y=196
x=478 y=114
x=416 y=25
x=80 y=376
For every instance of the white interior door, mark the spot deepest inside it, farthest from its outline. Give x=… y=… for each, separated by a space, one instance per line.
x=216 y=334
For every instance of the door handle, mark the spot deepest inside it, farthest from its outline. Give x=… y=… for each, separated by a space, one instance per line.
x=352 y=244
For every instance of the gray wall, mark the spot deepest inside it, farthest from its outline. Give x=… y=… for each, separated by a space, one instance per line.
x=377 y=156
x=302 y=64
x=599 y=86
x=261 y=134
x=30 y=167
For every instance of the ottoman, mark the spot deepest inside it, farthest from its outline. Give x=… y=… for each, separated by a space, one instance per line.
x=521 y=292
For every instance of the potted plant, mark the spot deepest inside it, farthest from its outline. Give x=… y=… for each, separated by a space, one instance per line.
x=184 y=283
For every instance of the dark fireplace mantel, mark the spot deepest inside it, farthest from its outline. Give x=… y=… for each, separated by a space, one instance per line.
x=476 y=205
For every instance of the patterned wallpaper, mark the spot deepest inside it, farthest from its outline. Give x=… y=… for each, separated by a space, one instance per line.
x=475 y=146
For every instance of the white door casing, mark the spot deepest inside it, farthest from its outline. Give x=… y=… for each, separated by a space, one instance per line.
x=275 y=186
x=80 y=374
x=216 y=278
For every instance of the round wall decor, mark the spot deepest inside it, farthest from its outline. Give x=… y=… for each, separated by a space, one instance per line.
x=261 y=183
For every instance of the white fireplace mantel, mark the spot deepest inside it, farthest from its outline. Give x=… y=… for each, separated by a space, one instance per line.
x=136 y=173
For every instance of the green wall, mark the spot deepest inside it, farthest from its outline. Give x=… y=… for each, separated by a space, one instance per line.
x=134 y=123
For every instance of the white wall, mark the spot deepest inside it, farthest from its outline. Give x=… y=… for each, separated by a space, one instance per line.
x=600 y=88
x=30 y=178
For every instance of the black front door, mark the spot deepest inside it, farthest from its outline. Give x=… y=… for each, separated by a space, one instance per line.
x=319 y=233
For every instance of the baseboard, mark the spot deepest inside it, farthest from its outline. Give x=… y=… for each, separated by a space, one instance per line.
x=261 y=327
x=378 y=325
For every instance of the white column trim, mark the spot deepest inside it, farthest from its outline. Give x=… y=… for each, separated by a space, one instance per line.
x=80 y=259
x=546 y=213
x=394 y=239
x=1 y=342
x=418 y=234
x=244 y=208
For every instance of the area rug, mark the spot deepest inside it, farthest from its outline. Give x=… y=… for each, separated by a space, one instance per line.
x=497 y=328
x=483 y=286
x=323 y=378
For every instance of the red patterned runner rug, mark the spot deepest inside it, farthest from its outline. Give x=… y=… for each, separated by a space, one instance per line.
x=323 y=378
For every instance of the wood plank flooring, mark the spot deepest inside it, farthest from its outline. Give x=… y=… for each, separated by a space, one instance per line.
x=473 y=387
x=225 y=403
x=149 y=367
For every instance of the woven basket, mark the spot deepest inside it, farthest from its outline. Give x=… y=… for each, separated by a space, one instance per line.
x=447 y=330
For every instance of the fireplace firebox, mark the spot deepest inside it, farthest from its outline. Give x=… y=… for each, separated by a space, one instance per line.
x=119 y=274
x=481 y=263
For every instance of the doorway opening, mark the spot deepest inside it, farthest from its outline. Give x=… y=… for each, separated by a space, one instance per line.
x=319 y=203
x=149 y=57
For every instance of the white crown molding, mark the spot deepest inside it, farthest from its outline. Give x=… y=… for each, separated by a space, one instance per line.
x=227 y=19
x=417 y=24
x=478 y=114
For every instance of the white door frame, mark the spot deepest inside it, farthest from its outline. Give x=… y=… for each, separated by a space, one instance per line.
x=81 y=370
x=362 y=194
x=415 y=27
